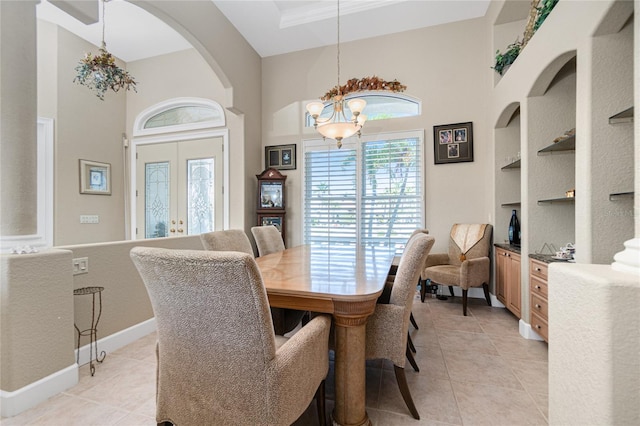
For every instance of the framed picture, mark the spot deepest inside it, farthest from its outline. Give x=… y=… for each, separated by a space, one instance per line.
x=453 y=143
x=281 y=157
x=95 y=178
x=272 y=220
x=271 y=195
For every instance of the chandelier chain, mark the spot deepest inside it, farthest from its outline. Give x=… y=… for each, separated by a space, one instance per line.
x=338 y=45
x=104 y=19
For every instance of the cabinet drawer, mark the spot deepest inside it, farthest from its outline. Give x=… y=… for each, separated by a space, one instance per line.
x=538 y=286
x=539 y=325
x=539 y=306
x=538 y=269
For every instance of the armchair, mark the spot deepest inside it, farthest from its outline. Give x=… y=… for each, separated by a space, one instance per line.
x=467 y=263
x=219 y=361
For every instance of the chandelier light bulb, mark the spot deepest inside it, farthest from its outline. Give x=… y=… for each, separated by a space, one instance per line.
x=356 y=105
x=315 y=109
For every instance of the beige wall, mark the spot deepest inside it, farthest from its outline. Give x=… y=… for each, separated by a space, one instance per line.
x=446 y=67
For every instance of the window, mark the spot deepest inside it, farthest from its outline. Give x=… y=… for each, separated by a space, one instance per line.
x=379 y=106
x=366 y=192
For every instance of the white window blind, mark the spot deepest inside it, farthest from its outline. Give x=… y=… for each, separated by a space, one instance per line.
x=367 y=192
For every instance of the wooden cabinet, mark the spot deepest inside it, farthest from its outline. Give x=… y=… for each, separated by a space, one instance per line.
x=508 y=279
x=538 y=291
x=271 y=200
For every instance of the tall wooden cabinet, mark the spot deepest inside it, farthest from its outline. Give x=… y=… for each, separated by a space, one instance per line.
x=271 y=200
x=508 y=288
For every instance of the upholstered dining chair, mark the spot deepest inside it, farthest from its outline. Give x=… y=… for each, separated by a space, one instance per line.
x=387 y=328
x=268 y=239
x=219 y=361
x=228 y=240
x=467 y=263
x=284 y=320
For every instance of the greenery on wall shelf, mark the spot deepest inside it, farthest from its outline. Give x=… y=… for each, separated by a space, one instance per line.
x=540 y=9
x=503 y=60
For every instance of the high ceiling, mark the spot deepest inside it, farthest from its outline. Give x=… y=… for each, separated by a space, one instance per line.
x=271 y=27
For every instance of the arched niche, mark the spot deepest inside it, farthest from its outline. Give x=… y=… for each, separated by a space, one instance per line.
x=546 y=77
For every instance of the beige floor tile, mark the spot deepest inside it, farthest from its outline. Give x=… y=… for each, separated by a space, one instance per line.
x=373 y=381
x=386 y=418
x=490 y=405
x=542 y=401
x=57 y=402
x=520 y=348
x=426 y=336
x=430 y=362
x=533 y=375
x=473 y=367
x=81 y=413
x=499 y=327
x=133 y=419
x=140 y=350
x=457 y=323
x=451 y=340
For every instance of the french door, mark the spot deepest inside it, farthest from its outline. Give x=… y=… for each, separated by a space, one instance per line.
x=179 y=187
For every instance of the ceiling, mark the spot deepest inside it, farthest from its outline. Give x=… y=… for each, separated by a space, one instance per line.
x=271 y=27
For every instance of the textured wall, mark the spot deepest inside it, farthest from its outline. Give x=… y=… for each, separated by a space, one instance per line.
x=594 y=346
x=36 y=317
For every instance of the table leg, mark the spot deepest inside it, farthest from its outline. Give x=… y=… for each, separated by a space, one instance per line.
x=350 y=374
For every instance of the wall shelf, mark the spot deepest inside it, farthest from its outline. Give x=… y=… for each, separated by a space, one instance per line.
x=563 y=200
x=514 y=165
x=567 y=144
x=625 y=116
x=514 y=204
x=621 y=195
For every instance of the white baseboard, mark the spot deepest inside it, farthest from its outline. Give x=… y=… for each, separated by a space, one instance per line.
x=527 y=332
x=118 y=340
x=13 y=403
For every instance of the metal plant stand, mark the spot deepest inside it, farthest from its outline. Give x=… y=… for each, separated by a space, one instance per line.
x=93 y=331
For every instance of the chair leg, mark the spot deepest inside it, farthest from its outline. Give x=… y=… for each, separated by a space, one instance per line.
x=404 y=390
x=423 y=289
x=464 y=302
x=485 y=287
x=165 y=424
x=320 y=398
x=412 y=361
x=410 y=343
x=451 y=290
x=413 y=321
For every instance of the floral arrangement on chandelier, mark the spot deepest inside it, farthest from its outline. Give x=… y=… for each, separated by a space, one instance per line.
x=100 y=73
x=364 y=84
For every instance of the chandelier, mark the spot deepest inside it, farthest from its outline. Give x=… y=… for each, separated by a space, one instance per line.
x=100 y=72
x=338 y=126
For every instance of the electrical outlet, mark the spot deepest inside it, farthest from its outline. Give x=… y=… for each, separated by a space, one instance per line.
x=80 y=265
x=89 y=218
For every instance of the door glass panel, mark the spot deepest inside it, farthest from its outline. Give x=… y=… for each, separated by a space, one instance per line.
x=156 y=203
x=200 y=208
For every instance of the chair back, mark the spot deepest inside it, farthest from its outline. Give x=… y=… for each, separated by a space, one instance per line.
x=268 y=239
x=469 y=239
x=215 y=334
x=409 y=269
x=229 y=240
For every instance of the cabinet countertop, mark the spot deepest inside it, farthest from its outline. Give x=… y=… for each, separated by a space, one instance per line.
x=546 y=258
x=512 y=248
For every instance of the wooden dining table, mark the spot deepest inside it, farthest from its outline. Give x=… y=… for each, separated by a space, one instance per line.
x=344 y=281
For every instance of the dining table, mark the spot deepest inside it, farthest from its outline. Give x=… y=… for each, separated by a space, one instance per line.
x=343 y=280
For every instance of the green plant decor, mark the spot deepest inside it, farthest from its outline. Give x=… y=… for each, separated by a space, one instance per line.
x=100 y=73
x=503 y=60
x=543 y=12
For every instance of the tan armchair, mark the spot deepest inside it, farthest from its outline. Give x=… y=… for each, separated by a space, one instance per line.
x=467 y=264
x=219 y=361
x=387 y=328
x=284 y=320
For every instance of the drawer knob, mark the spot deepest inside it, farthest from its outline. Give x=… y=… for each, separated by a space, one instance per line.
x=538 y=306
x=538 y=269
x=537 y=287
x=538 y=327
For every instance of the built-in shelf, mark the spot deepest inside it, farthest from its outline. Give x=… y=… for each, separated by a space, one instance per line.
x=563 y=200
x=621 y=195
x=625 y=116
x=514 y=165
x=566 y=144
x=514 y=204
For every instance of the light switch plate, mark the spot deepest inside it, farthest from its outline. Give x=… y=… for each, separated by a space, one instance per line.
x=89 y=218
x=80 y=265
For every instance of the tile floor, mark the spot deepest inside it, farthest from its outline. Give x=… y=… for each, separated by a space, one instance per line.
x=474 y=370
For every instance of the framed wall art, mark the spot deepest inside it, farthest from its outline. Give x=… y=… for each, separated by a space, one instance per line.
x=453 y=143
x=95 y=178
x=280 y=157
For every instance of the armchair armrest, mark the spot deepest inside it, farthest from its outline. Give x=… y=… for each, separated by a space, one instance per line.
x=303 y=361
x=437 y=259
x=474 y=272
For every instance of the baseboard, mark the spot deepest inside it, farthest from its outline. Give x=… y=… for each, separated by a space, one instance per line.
x=13 y=403
x=118 y=340
x=527 y=332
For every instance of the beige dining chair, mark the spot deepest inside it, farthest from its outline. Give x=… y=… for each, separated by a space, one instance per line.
x=387 y=328
x=219 y=361
x=284 y=320
x=467 y=263
x=268 y=239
